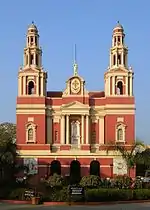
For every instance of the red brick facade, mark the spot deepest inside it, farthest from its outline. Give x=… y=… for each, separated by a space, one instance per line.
x=75 y=124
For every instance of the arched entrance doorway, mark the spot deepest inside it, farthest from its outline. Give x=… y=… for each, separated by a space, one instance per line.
x=95 y=168
x=55 y=167
x=75 y=172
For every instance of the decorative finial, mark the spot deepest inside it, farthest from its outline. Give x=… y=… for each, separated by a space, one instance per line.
x=32 y=22
x=118 y=22
x=75 y=53
x=75 y=66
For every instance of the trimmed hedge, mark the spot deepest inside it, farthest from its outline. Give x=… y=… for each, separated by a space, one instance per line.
x=92 y=195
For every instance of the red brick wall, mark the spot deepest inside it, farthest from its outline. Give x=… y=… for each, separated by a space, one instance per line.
x=110 y=123
x=39 y=120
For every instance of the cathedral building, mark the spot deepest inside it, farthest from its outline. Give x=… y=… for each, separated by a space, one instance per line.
x=62 y=131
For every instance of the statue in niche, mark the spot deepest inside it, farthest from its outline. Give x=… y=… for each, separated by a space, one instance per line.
x=75 y=132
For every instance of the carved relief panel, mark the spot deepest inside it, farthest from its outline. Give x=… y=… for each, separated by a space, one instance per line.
x=119 y=166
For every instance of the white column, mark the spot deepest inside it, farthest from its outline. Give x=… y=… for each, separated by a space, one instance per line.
x=19 y=86
x=101 y=130
x=24 y=85
x=113 y=85
x=37 y=86
x=126 y=93
x=106 y=81
x=62 y=140
x=122 y=58
x=41 y=86
x=116 y=59
x=108 y=86
x=67 y=129
x=87 y=129
x=34 y=55
x=110 y=60
x=131 y=86
x=82 y=129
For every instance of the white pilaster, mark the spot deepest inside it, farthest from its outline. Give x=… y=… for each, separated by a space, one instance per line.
x=82 y=129
x=37 y=86
x=122 y=58
x=126 y=93
x=116 y=59
x=19 y=86
x=24 y=85
x=101 y=130
x=41 y=86
x=131 y=85
x=108 y=85
x=113 y=85
x=110 y=60
x=67 y=129
x=62 y=130
x=87 y=129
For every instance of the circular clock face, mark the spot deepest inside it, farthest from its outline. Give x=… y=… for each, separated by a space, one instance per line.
x=75 y=85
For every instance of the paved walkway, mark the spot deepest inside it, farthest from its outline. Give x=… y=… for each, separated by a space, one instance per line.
x=144 y=206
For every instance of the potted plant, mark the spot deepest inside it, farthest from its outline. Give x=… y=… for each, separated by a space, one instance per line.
x=35 y=199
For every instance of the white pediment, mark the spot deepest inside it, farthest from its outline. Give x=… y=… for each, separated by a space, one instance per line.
x=75 y=105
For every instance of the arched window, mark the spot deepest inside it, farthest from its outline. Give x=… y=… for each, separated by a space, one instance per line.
x=95 y=168
x=37 y=60
x=55 y=167
x=114 y=60
x=120 y=88
x=30 y=133
x=119 y=59
x=120 y=133
x=30 y=88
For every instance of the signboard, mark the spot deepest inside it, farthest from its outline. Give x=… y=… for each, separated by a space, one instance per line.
x=28 y=194
x=76 y=193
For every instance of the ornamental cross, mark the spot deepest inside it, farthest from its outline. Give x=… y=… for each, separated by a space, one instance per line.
x=75 y=84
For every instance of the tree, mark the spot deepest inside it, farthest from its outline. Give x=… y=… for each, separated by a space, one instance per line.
x=7 y=149
x=130 y=156
x=143 y=163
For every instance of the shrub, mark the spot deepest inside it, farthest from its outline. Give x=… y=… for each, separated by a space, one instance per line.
x=98 y=195
x=91 y=181
x=17 y=194
x=141 y=194
x=56 y=195
x=123 y=182
x=55 y=181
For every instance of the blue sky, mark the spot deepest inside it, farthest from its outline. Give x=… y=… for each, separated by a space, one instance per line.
x=89 y=24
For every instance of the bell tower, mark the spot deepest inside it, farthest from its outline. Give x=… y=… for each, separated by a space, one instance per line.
x=119 y=77
x=32 y=78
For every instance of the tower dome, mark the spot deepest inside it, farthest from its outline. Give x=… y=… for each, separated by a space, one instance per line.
x=118 y=28
x=32 y=27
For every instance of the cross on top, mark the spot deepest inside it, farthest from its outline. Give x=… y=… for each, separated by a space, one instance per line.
x=75 y=84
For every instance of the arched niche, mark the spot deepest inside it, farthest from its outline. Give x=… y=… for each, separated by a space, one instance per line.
x=119 y=88
x=95 y=168
x=55 y=167
x=75 y=172
x=31 y=88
